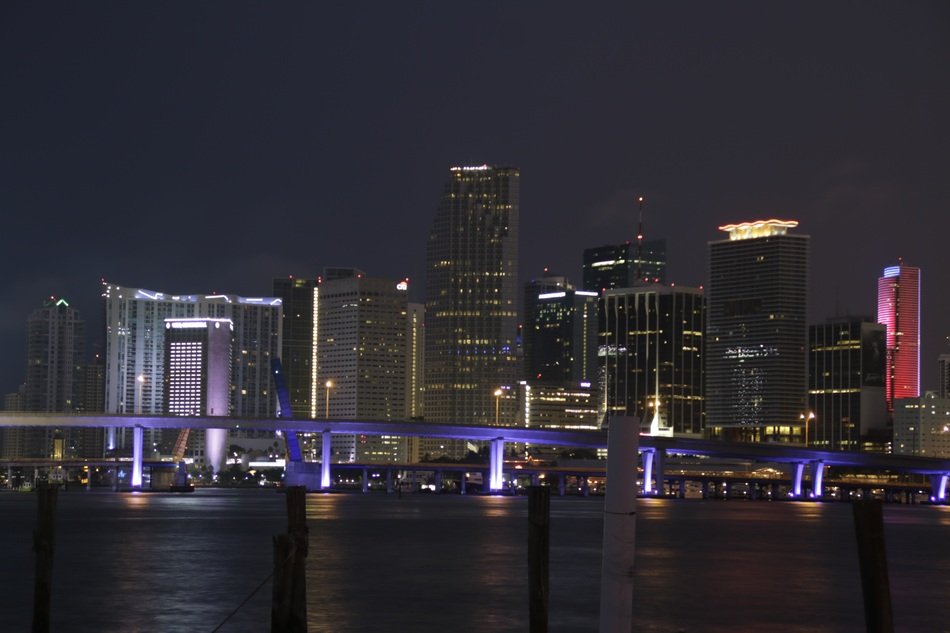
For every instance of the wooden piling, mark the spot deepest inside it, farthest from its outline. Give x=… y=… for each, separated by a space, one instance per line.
x=869 y=529
x=289 y=598
x=43 y=546
x=539 y=518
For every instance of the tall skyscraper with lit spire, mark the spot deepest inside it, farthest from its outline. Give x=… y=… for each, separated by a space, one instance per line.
x=898 y=308
x=471 y=297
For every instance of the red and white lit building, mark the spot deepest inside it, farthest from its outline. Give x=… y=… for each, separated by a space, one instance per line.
x=898 y=307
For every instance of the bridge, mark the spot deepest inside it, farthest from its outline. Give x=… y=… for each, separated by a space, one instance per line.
x=654 y=450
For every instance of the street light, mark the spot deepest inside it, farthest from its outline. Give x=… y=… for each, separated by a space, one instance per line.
x=498 y=393
x=326 y=412
x=805 y=421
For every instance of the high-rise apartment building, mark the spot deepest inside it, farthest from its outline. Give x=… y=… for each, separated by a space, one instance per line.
x=756 y=307
x=363 y=360
x=55 y=347
x=471 y=296
x=651 y=348
x=198 y=376
x=560 y=333
x=845 y=384
x=297 y=352
x=624 y=265
x=922 y=426
x=135 y=344
x=898 y=308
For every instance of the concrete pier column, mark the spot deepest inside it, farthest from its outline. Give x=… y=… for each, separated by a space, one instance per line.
x=659 y=466
x=938 y=488
x=89 y=478
x=562 y=484
x=389 y=481
x=137 y=436
x=462 y=483
x=817 y=475
x=496 y=465
x=585 y=486
x=796 y=470
x=115 y=479
x=326 y=452
x=535 y=479
x=365 y=479
x=647 y=457
x=438 y=481
x=682 y=488
x=704 y=487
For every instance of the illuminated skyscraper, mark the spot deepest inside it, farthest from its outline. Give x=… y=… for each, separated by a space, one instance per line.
x=845 y=384
x=651 y=349
x=198 y=376
x=619 y=266
x=362 y=345
x=297 y=297
x=898 y=308
x=471 y=297
x=560 y=333
x=135 y=344
x=757 y=333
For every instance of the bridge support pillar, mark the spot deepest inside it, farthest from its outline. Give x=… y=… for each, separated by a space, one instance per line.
x=659 y=468
x=496 y=464
x=647 y=457
x=326 y=451
x=137 y=436
x=438 y=482
x=817 y=475
x=462 y=482
x=796 y=475
x=938 y=488
x=389 y=481
x=562 y=484
x=681 y=491
x=365 y=480
x=585 y=486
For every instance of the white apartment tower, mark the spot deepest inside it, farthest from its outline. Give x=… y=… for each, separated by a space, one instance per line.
x=363 y=365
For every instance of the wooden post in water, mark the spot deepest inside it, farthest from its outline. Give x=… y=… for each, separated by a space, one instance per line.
x=539 y=519
x=869 y=529
x=43 y=546
x=289 y=599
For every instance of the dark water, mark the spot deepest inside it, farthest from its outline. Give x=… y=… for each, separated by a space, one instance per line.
x=427 y=563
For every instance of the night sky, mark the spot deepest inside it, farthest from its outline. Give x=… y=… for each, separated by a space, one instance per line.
x=212 y=146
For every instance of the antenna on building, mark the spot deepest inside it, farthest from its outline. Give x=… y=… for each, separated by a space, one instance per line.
x=640 y=242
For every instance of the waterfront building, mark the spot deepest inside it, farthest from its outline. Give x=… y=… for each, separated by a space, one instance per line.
x=846 y=405
x=363 y=352
x=471 y=297
x=898 y=307
x=756 y=380
x=624 y=265
x=55 y=346
x=297 y=349
x=560 y=333
x=135 y=359
x=922 y=426
x=198 y=361
x=651 y=349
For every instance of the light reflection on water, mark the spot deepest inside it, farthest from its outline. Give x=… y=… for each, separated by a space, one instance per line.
x=155 y=562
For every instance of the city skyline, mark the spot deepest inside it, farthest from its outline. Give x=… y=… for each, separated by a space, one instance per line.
x=322 y=137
